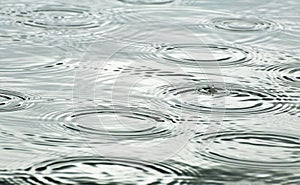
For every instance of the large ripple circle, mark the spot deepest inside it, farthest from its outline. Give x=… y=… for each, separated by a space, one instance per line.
x=95 y=169
x=120 y=123
x=240 y=100
x=256 y=149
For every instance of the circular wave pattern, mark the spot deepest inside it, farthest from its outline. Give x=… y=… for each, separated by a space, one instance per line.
x=85 y=169
x=125 y=123
x=52 y=15
x=96 y=169
x=203 y=55
x=59 y=17
x=243 y=25
x=147 y=2
x=287 y=73
x=231 y=99
x=257 y=149
x=53 y=21
x=13 y=101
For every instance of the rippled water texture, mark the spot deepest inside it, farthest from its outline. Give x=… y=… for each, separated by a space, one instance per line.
x=149 y=92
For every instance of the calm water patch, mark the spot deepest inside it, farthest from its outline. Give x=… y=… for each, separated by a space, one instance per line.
x=147 y=2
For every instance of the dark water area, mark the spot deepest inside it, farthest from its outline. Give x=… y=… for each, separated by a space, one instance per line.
x=149 y=92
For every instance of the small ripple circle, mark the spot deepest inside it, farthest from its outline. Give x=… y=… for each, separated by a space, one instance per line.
x=243 y=24
x=205 y=55
x=13 y=101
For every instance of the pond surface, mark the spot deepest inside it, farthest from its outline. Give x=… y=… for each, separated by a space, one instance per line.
x=149 y=92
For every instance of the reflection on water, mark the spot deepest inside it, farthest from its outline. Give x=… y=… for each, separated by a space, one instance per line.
x=149 y=92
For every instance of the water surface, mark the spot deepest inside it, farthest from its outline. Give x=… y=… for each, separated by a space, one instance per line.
x=149 y=92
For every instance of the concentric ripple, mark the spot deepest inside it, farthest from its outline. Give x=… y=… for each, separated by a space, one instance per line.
x=285 y=73
x=257 y=149
x=198 y=55
x=52 y=15
x=231 y=99
x=53 y=21
x=13 y=101
x=243 y=24
x=56 y=16
x=147 y=2
x=95 y=170
x=120 y=123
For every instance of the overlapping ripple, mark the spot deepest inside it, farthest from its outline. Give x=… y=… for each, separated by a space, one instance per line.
x=118 y=122
x=285 y=73
x=54 y=21
x=177 y=63
x=252 y=148
x=140 y=24
x=208 y=25
x=52 y=15
x=61 y=17
x=99 y=170
x=231 y=99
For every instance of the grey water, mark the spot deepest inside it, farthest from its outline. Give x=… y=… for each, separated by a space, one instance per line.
x=149 y=92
